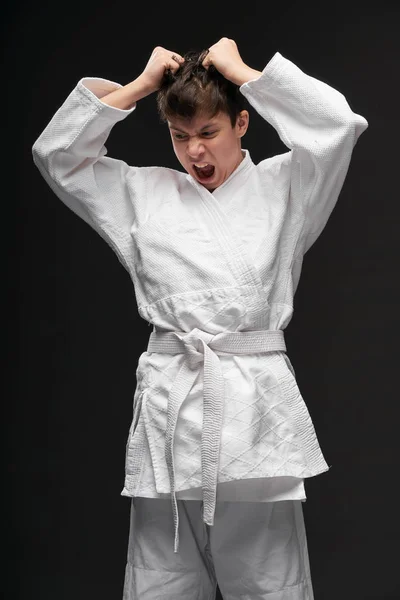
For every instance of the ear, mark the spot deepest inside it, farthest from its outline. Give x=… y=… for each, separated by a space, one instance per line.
x=242 y=123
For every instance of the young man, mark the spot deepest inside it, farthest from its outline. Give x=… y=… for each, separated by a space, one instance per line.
x=219 y=425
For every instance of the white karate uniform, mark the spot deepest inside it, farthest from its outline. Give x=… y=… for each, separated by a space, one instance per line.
x=217 y=412
x=255 y=551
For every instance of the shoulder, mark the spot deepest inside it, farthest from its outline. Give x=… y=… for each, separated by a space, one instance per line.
x=163 y=177
x=154 y=179
x=274 y=163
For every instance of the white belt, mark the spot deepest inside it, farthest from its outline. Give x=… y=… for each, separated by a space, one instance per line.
x=202 y=347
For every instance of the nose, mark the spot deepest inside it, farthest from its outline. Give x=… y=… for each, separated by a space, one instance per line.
x=194 y=148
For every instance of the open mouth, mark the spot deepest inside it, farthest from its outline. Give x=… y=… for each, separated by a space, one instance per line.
x=204 y=171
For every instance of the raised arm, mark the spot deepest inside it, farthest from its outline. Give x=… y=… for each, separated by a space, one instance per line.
x=317 y=124
x=71 y=155
x=312 y=119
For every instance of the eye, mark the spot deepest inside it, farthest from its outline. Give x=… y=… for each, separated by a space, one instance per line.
x=182 y=136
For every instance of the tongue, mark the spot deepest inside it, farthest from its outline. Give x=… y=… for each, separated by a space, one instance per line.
x=206 y=171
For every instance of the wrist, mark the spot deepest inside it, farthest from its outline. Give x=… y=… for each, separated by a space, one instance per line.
x=244 y=75
x=127 y=96
x=144 y=84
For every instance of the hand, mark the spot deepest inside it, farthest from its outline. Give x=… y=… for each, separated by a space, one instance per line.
x=225 y=57
x=159 y=61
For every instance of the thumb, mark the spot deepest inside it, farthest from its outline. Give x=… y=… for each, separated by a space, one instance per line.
x=207 y=60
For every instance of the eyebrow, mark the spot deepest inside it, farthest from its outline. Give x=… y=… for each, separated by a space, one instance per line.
x=205 y=127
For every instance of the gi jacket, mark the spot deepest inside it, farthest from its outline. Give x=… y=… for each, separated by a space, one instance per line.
x=227 y=261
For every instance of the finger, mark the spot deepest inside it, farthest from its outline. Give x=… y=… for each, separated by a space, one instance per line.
x=175 y=62
x=206 y=62
x=177 y=58
x=173 y=66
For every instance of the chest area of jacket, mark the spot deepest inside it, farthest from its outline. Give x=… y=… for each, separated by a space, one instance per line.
x=186 y=220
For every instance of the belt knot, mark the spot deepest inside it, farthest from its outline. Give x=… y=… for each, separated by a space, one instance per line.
x=195 y=342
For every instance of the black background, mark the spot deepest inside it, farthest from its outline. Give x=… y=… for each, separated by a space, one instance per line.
x=74 y=334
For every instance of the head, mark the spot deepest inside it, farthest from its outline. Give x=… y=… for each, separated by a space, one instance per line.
x=206 y=117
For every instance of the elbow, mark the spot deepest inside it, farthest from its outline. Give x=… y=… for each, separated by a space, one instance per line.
x=37 y=155
x=353 y=126
x=39 y=151
x=360 y=125
x=35 y=149
x=348 y=130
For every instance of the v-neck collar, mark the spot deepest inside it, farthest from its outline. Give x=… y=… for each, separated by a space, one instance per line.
x=238 y=175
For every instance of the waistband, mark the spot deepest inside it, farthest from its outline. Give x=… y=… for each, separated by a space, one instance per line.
x=203 y=348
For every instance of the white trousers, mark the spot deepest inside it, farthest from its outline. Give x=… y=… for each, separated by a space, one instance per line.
x=254 y=551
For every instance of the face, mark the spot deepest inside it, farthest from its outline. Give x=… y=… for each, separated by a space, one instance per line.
x=209 y=140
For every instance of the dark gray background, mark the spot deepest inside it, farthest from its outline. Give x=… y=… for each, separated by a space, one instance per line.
x=74 y=334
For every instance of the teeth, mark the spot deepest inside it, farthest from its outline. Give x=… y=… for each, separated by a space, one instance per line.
x=201 y=165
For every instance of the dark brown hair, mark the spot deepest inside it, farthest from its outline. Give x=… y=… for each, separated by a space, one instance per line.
x=195 y=90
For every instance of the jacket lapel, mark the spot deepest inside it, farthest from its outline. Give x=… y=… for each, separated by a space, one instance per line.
x=236 y=256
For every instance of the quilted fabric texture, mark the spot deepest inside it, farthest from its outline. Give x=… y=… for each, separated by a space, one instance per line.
x=223 y=261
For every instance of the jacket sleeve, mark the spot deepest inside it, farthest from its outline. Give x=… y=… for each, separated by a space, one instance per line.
x=318 y=126
x=71 y=156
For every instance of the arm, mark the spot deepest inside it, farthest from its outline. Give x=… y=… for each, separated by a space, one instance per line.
x=316 y=123
x=70 y=155
x=126 y=97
